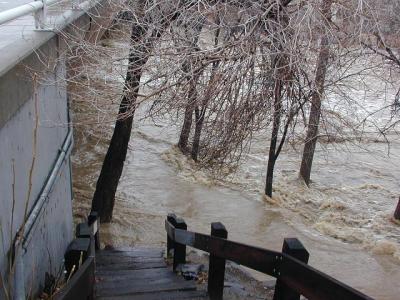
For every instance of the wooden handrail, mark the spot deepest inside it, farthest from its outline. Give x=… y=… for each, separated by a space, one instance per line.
x=291 y=272
x=81 y=284
x=258 y=259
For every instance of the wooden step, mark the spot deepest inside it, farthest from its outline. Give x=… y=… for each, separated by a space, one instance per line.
x=172 y=295
x=136 y=252
x=140 y=273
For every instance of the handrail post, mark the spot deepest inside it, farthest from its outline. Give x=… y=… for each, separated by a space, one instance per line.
x=92 y=221
x=41 y=15
x=216 y=269
x=170 y=242
x=294 y=248
x=179 y=249
x=77 y=252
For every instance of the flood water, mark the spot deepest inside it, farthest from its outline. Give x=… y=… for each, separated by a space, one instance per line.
x=343 y=219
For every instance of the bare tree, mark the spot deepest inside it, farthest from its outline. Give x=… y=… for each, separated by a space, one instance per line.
x=194 y=71
x=282 y=86
x=143 y=38
x=317 y=93
x=225 y=70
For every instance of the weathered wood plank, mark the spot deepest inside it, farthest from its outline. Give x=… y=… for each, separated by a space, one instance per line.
x=140 y=251
x=152 y=254
x=132 y=259
x=110 y=260
x=147 y=276
x=131 y=266
x=132 y=274
x=171 y=279
x=115 y=288
x=172 y=295
x=259 y=259
x=139 y=274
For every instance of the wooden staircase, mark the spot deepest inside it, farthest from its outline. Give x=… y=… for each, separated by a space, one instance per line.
x=140 y=273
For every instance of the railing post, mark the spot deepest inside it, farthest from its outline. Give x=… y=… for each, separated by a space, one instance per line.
x=76 y=254
x=179 y=249
x=41 y=15
x=294 y=248
x=170 y=243
x=92 y=221
x=216 y=269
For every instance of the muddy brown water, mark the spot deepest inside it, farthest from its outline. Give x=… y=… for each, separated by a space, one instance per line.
x=343 y=219
x=151 y=187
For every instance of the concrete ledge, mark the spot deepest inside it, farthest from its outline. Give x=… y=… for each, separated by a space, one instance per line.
x=31 y=50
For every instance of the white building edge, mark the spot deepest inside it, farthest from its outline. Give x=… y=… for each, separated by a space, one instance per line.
x=36 y=223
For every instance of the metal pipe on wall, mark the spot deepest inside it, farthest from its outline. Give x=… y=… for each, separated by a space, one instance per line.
x=19 y=292
x=34 y=214
x=20 y=11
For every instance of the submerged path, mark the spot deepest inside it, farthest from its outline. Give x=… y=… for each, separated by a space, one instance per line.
x=140 y=273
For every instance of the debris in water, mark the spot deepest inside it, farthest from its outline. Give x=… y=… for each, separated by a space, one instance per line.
x=190 y=271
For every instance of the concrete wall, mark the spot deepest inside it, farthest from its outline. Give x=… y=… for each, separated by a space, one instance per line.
x=36 y=88
x=33 y=87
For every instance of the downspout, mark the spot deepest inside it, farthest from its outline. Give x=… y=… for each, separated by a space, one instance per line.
x=19 y=277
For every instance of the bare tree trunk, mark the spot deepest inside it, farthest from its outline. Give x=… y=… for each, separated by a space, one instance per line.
x=199 y=113
x=279 y=65
x=186 y=127
x=192 y=94
x=106 y=186
x=107 y=183
x=316 y=98
x=187 y=122
x=273 y=155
